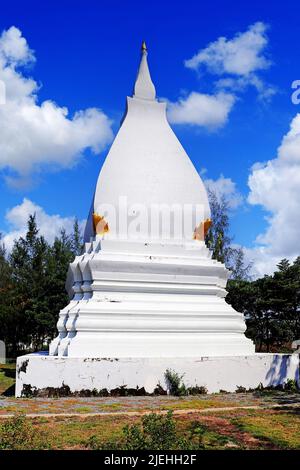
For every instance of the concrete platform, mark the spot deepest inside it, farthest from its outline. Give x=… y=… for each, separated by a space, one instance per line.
x=38 y=372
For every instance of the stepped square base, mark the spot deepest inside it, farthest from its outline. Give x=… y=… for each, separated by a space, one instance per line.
x=37 y=373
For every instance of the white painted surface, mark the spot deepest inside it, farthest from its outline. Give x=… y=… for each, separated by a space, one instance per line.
x=135 y=299
x=147 y=165
x=215 y=373
x=148 y=296
x=144 y=88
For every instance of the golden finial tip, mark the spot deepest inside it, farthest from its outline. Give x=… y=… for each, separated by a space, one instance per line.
x=144 y=47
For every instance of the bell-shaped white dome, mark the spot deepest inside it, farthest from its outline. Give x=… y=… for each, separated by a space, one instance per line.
x=135 y=294
x=146 y=167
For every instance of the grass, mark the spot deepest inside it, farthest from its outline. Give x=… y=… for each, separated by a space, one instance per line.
x=240 y=429
x=75 y=432
x=83 y=409
x=110 y=407
x=7 y=378
x=196 y=404
x=281 y=429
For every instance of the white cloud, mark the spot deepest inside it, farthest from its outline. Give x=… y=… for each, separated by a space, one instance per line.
x=237 y=60
x=37 y=135
x=241 y=55
x=210 y=111
x=227 y=188
x=14 y=47
x=49 y=225
x=275 y=185
x=265 y=91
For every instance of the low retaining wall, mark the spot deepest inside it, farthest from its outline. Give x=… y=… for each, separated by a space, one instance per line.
x=38 y=373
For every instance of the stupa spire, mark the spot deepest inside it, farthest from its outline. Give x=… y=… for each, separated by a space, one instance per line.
x=144 y=88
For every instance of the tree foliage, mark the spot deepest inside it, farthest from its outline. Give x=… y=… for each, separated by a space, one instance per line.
x=271 y=305
x=219 y=241
x=32 y=287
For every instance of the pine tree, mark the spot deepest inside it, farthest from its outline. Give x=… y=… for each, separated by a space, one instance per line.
x=32 y=286
x=239 y=267
x=76 y=239
x=219 y=241
x=271 y=306
x=7 y=311
x=28 y=260
x=60 y=255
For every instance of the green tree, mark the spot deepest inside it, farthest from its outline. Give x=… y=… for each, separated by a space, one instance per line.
x=239 y=267
x=61 y=253
x=76 y=239
x=28 y=261
x=219 y=241
x=271 y=306
x=8 y=316
x=37 y=273
x=217 y=238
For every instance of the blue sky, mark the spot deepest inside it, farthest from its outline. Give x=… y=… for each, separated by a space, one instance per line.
x=86 y=56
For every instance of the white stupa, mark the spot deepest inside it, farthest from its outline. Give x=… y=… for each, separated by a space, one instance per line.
x=145 y=295
x=136 y=291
